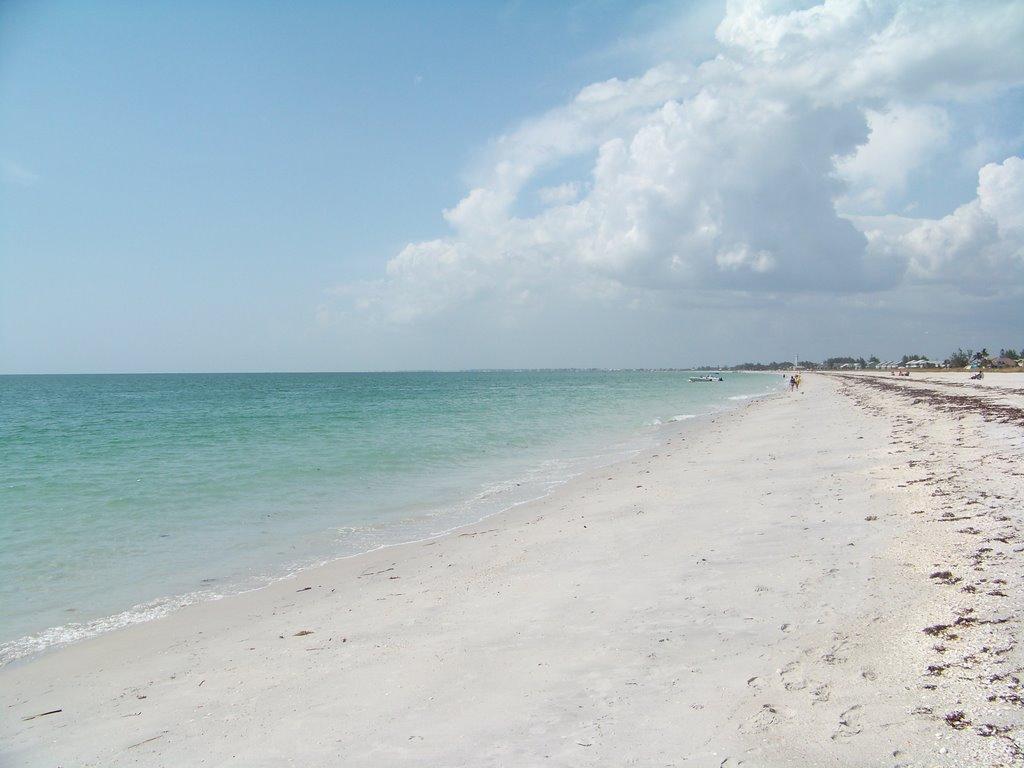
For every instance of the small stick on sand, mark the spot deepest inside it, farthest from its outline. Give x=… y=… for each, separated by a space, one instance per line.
x=146 y=741
x=42 y=714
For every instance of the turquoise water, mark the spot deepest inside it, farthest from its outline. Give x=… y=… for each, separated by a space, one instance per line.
x=123 y=497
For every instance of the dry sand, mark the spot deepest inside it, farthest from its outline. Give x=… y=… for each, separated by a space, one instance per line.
x=755 y=591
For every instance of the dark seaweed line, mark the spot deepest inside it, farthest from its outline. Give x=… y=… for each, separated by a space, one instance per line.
x=957 y=404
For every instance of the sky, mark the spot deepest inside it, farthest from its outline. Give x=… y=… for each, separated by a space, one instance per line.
x=250 y=186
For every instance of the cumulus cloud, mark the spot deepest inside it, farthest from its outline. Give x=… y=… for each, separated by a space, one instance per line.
x=900 y=140
x=560 y=193
x=843 y=50
x=979 y=246
x=726 y=175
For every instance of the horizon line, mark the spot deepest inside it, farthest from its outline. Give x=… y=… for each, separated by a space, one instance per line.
x=524 y=369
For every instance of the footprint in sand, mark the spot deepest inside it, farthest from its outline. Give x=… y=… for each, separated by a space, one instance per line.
x=839 y=644
x=849 y=723
x=792 y=677
x=821 y=692
x=764 y=719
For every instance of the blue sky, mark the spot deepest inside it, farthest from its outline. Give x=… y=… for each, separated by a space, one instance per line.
x=232 y=186
x=178 y=165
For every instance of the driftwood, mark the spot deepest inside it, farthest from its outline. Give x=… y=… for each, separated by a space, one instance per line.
x=42 y=714
x=146 y=741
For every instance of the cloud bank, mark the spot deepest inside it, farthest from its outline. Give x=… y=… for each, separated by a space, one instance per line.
x=786 y=164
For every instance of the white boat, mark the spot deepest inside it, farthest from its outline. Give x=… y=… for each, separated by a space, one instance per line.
x=716 y=377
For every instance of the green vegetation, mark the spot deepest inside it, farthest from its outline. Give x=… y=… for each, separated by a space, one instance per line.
x=961 y=358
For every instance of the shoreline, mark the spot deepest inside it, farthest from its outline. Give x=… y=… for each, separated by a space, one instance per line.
x=752 y=589
x=621 y=448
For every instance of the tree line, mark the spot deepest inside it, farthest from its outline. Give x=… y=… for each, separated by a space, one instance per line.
x=961 y=358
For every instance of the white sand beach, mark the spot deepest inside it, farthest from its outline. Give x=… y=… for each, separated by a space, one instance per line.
x=824 y=578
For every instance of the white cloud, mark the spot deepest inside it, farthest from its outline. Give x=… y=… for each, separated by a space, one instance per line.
x=559 y=194
x=842 y=50
x=1001 y=195
x=741 y=257
x=725 y=176
x=901 y=139
x=978 y=247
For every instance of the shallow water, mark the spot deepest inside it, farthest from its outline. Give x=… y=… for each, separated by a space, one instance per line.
x=123 y=497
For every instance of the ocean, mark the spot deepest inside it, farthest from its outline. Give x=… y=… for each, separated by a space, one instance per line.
x=125 y=497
